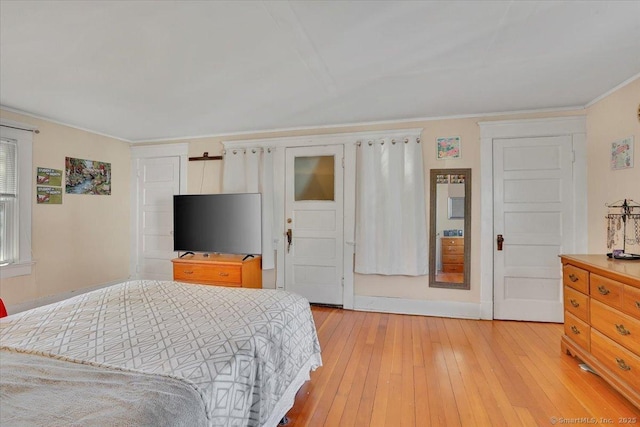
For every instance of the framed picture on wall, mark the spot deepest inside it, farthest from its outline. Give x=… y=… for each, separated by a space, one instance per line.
x=448 y=147
x=622 y=154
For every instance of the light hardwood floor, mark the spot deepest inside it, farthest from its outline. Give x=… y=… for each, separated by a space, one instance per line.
x=396 y=370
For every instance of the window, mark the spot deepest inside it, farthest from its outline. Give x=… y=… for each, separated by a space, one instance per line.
x=15 y=202
x=314 y=178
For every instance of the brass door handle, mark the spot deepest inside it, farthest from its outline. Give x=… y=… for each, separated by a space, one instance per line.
x=573 y=277
x=603 y=290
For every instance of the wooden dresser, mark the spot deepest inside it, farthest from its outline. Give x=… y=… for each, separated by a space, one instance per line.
x=602 y=318
x=219 y=270
x=452 y=254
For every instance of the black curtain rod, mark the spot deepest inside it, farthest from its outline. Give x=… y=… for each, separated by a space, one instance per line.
x=205 y=156
x=15 y=127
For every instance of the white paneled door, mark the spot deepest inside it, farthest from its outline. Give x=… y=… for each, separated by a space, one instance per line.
x=533 y=213
x=314 y=210
x=158 y=180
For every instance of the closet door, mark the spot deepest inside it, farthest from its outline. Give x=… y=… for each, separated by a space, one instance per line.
x=533 y=212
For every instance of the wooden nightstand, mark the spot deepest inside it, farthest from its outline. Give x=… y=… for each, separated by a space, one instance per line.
x=219 y=270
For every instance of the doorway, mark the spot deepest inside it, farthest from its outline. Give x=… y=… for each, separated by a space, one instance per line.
x=158 y=172
x=314 y=213
x=534 y=200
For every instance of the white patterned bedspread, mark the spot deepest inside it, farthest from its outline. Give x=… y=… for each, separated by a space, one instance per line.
x=245 y=351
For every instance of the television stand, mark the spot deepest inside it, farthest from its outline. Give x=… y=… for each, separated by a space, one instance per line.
x=219 y=270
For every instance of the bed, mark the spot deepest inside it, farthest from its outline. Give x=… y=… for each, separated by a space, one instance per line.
x=157 y=353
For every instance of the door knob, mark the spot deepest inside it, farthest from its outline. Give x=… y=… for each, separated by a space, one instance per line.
x=499 y=241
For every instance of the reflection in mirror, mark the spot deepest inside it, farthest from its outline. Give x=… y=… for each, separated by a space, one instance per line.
x=450 y=228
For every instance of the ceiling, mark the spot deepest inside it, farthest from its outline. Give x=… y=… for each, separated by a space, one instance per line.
x=142 y=70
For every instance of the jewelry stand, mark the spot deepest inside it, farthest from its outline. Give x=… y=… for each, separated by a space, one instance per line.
x=628 y=214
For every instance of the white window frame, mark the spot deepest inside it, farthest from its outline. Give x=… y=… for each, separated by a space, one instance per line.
x=24 y=263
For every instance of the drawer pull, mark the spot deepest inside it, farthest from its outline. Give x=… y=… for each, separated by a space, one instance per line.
x=223 y=274
x=574 y=303
x=603 y=290
x=622 y=365
x=188 y=272
x=575 y=330
x=638 y=304
x=622 y=330
x=573 y=277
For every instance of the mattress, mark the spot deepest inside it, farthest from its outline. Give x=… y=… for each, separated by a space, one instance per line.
x=243 y=353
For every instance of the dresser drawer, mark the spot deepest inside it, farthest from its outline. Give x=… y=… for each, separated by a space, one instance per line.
x=208 y=274
x=452 y=268
x=576 y=303
x=621 y=328
x=453 y=250
x=448 y=241
x=619 y=360
x=577 y=330
x=575 y=277
x=606 y=290
x=631 y=301
x=453 y=259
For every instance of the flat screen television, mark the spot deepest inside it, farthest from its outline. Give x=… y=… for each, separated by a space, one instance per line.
x=218 y=223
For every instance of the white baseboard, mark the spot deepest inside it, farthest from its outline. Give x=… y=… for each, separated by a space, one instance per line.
x=462 y=310
x=28 y=305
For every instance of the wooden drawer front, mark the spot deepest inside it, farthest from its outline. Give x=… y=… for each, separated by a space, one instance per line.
x=619 y=360
x=606 y=290
x=576 y=303
x=203 y=273
x=453 y=259
x=575 y=277
x=453 y=250
x=631 y=301
x=452 y=268
x=577 y=330
x=448 y=241
x=623 y=329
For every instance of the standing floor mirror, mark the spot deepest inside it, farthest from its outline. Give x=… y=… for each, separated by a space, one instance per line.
x=450 y=228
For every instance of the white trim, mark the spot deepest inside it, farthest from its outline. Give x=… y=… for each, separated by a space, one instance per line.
x=39 y=302
x=16 y=269
x=23 y=266
x=459 y=310
x=327 y=139
x=36 y=116
x=406 y=121
x=610 y=91
x=144 y=152
x=575 y=126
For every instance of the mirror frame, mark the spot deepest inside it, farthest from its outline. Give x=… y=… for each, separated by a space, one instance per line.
x=466 y=283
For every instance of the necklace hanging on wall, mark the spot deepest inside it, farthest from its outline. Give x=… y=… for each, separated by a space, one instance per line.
x=623 y=216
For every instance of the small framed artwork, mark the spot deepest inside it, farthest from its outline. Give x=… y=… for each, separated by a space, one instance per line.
x=448 y=147
x=622 y=154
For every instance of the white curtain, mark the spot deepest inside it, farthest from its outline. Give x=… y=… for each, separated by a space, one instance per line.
x=391 y=236
x=250 y=170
